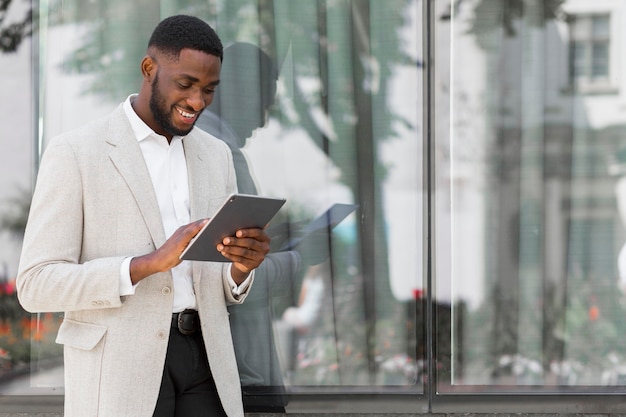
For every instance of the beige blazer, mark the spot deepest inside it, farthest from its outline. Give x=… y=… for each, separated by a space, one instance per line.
x=93 y=206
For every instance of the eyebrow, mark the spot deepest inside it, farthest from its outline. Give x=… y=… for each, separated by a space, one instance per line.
x=195 y=80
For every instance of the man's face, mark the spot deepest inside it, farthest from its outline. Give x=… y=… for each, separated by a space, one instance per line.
x=181 y=89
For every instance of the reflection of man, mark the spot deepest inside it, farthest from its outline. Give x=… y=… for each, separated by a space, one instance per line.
x=248 y=87
x=246 y=92
x=111 y=213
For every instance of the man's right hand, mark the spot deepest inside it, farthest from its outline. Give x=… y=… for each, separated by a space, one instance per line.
x=167 y=256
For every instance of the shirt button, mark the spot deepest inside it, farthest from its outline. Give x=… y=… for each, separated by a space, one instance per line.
x=166 y=291
x=160 y=334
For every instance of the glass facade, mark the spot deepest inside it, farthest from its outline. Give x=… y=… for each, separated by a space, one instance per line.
x=472 y=157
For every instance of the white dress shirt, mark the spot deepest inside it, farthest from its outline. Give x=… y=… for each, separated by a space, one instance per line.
x=168 y=171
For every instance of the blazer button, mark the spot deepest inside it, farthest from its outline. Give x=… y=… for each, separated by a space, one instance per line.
x=166 y=291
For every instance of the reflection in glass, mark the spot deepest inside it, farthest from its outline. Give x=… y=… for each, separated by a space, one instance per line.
x=529 y=185
x=590 y=40
x=25 y=342
x=344 y=127
x=600 y=59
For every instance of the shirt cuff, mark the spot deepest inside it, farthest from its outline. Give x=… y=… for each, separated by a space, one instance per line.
x=126 y=285
x=237 y=290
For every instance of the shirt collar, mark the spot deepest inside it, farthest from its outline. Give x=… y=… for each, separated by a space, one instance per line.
x=140 y=128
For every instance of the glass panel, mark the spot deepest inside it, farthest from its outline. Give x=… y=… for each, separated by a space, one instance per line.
x=580 y=58
x=320 y=102
x=600 y=60
x=528 y=228
x=335 y=134
x=26 y=342
x=601 y=27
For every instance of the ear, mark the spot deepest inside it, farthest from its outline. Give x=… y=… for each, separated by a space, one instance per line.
x=148 y=68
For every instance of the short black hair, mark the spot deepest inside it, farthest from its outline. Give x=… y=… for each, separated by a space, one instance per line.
x=179 y=32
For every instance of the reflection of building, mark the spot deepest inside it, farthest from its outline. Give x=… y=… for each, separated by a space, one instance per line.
x=532 y=199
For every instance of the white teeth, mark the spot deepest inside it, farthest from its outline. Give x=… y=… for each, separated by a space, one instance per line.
x=185 y=114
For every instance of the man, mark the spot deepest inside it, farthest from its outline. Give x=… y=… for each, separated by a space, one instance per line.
x=144 y=334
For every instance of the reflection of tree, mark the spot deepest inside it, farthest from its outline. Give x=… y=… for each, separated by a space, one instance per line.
x=521 y=263
x=110 y=45
x=13 y=33
x=498 y=15
x=352 y=67
x=13 y=218
x=352 y=64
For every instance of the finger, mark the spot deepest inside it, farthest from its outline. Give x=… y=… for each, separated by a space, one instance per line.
x=246 y=243
x=244 y=263
x=189 y=231
x=243 y=250
x=197 y=225
x=254 y=233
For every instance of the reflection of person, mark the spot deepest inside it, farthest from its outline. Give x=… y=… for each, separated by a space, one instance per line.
x=112 y=211
x=248 y=87
x=306 y=312
x=240 y=106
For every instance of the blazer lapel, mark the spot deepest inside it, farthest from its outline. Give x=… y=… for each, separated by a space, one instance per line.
x=126 y=155
x=199 y=179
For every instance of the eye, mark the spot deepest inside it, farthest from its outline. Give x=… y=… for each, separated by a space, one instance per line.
x=184 y=86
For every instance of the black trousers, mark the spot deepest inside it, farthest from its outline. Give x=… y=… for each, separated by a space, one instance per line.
x=187 y=387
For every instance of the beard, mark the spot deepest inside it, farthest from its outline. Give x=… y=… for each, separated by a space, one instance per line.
x=161 y=113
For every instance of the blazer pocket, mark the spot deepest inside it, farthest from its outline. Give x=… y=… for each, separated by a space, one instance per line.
x=80 y=335
x=83 y=353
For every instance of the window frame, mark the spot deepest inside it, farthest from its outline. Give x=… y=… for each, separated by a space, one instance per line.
x=587 y=83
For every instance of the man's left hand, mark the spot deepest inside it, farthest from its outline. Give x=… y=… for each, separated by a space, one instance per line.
x=246 y=250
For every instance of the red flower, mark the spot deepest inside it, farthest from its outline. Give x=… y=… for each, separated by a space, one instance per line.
x=417 y=293
x=7 y=288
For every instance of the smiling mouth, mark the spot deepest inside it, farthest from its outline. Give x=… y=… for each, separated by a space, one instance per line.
x=185 y=114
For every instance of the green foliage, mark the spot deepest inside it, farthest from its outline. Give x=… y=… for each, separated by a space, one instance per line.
x=12 y=33
x=496 y=16
x=15 y=211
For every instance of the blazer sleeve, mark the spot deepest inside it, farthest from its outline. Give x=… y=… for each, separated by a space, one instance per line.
x=51 y=276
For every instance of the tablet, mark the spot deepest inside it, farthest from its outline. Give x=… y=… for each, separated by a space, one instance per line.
x=239 y=211
x=325 y=222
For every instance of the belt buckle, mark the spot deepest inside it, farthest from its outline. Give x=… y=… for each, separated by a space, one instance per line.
x=186 y=323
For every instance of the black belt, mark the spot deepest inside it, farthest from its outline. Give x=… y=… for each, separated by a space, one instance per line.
x=187 y=322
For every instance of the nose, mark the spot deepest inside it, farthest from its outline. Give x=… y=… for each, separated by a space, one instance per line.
x=196 y=100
